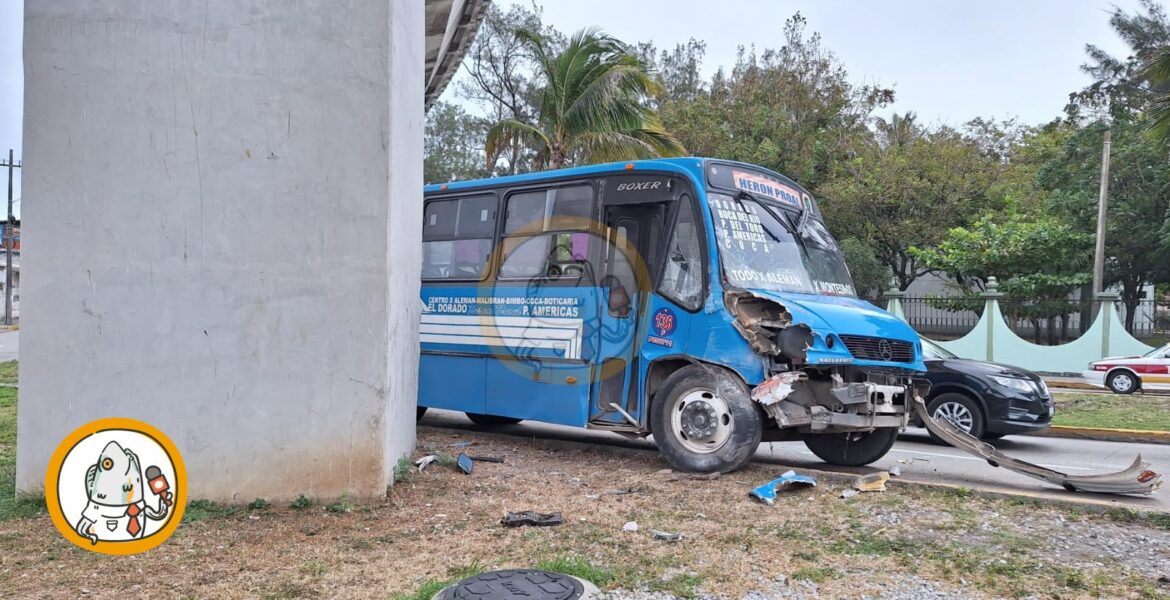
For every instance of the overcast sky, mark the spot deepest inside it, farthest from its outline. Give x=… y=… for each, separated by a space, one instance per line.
x=949 y=61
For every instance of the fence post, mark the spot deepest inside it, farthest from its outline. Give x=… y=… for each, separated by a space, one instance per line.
x=991 y=298
x=894 y=301
x=1107 y=305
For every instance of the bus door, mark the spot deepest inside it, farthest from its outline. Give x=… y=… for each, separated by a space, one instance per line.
x=634 y=212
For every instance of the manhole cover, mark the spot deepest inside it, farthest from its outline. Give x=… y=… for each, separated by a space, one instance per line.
x=516 y=583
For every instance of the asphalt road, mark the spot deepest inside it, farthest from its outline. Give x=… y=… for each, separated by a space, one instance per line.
x=9 y=345
x=919 y=459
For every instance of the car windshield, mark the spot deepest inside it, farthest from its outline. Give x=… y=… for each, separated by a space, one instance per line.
x=764 y=247
x=933 y=350
x=1163 y=352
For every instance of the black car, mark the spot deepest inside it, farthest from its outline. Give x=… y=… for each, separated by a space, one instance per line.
x=985 y=399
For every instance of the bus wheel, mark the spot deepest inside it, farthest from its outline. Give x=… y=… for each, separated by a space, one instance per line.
x=852 y=449
x=490 y=420
x=704 y=421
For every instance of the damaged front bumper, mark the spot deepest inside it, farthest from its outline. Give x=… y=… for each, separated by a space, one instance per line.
x=1137 y=479
x=790 y=400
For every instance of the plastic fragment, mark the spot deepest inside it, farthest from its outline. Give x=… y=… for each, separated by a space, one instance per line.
x=630 y=527
x=465 y=463
x=767 y=493
x=667 y=536
x=874 y=482
x=461 y=444
x=895 y=471
x=424 y=461
x=847 y=494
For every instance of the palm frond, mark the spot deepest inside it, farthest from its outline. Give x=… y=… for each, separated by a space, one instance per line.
x=502 y=133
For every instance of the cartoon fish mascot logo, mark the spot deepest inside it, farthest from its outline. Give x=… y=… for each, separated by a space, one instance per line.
x=117 y=508
x=102 y=499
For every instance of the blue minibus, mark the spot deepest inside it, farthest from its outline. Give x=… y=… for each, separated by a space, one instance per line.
x=700 y=301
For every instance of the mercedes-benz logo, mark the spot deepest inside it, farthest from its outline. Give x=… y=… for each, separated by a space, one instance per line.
x=885 y=350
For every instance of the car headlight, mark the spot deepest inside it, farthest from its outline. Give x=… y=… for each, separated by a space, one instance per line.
x=1012 y=383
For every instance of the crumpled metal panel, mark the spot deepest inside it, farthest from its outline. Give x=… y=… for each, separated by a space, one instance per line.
x=1137 y=479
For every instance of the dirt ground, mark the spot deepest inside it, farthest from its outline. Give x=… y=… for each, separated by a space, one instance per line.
x=909 y=541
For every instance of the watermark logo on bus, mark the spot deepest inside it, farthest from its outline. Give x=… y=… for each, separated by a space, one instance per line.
x=116 y=486
x=562 y=295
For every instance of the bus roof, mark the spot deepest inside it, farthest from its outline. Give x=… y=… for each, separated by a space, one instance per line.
x=692 y=165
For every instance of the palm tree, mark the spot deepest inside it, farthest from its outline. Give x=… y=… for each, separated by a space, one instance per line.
x=590 y=108
x=1157 y=70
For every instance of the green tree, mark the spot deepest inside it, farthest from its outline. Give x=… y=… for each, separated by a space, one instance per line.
x=1157 y=71
x=1137 y=235
x=1038 y=260
x=501 y=80
x=791 y=109
x=905 y=189
x=590 y=106
x=453 y=146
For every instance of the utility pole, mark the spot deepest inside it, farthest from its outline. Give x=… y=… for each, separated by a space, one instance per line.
x=1102 y=210
x=9 y=242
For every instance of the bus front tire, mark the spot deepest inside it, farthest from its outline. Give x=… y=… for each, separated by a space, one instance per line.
x=491 y=420
x=704 y=421
x=852 y=449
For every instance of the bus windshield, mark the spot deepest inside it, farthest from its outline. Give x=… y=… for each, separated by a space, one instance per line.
x=763 y=245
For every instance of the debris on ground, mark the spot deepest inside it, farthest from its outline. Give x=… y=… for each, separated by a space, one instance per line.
x=630 y=527
x=895 y=471
x=695 y=476
x=621 y=492
x=461 y=444
x=767 y=493
x=874 y=482
x=491 y=459
x=531 y=518
x=847 y=494
x=464 y=462
x=424 y=461
x=1164 y=581
x=666 y=536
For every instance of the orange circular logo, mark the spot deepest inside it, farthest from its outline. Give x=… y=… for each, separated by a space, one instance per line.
x=116 y=486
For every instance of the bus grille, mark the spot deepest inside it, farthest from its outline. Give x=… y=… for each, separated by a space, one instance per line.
x=872 y=348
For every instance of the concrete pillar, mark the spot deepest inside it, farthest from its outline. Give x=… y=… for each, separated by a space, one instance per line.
x=221 y=235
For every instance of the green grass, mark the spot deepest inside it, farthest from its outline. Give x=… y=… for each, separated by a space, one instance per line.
x=1138 y=411
x=432 y=586
x=815 y=574
x=8 y=372
x=201 y=510
x=577 y=567
x=12 y=506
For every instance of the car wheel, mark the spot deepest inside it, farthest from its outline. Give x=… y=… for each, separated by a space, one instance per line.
x=704 y=421
x=1122 y=382
x=852 y=449
x=961 y=411
x=419 y=411
x=491 y=420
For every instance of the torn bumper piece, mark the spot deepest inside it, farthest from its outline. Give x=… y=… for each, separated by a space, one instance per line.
x=1137 y=479
x=767 y=493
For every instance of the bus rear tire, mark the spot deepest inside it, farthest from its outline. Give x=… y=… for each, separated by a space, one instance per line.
x=704 y=421
x=491 y=420
x=853 y=449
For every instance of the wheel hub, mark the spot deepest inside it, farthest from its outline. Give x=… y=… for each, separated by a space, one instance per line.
x=699 y=420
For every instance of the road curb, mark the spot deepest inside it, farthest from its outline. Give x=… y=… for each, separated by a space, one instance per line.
x=1107 y=435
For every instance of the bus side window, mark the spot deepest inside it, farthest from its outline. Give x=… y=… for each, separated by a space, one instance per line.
x=682 y=277
x=457 y=237
x=546 y=233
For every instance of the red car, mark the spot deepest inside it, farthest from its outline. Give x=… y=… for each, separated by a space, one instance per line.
x=1126 y=375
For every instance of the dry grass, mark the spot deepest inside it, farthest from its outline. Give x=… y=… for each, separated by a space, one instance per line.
x=443 y=524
